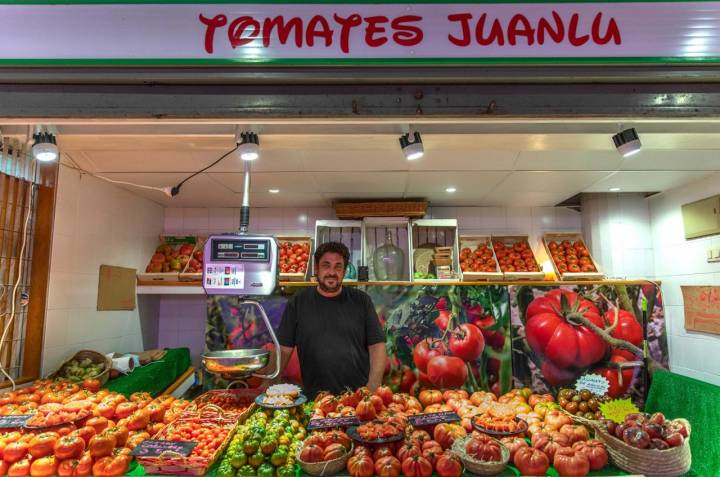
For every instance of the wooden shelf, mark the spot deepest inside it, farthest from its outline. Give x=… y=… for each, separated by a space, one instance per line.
x=195 y=288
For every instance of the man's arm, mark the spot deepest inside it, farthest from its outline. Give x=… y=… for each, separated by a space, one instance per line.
x=378 y=357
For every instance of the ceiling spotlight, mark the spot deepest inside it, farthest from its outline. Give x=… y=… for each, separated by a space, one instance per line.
x=249 y=146
x=614 y=189
x=274 y=191
x=412 y=146
x=45 y=148
x=451 y=190
x=627 y=142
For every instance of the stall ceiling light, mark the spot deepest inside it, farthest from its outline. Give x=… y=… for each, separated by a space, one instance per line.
x=451 y=190
x=45 y=148
x=614 y=189
x=412 y=146
x=627 y=142
x=249 y=146
x=274 y=191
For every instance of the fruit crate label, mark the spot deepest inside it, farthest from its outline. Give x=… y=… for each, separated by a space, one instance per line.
x=594 y=383
x=7 y=422
x=345 y=421
x=155 y=447
x=433 y=418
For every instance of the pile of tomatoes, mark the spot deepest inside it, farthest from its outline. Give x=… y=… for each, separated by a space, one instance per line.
x=325 y=446
x=209 y=434
x=294 y=257
x=479 y=260
x=230 y=401
x=571 y=257
x=516 y=257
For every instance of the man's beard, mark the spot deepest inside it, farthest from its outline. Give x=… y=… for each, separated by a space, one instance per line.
x=329 y=289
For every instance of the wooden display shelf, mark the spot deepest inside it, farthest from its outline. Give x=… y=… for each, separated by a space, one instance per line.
x=195 y=288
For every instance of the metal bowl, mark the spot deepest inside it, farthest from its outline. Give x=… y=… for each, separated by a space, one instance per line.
x=235 y=362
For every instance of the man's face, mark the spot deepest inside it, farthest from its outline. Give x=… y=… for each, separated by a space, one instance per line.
x=330 y=272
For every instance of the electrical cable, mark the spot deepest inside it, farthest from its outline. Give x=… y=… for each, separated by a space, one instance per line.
x=175 y=190
x=17 y=282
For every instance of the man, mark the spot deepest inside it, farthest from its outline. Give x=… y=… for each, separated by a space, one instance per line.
x=336 y=330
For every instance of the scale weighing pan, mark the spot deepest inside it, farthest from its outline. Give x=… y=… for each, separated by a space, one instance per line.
x=235 y=363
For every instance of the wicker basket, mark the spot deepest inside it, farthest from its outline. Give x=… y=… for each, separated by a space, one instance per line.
x=95 y=357
x=649 y=462
x=330 y=467
x=591 y=423
x=479 y=467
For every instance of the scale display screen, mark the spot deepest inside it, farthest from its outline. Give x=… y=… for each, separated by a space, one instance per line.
x=245 y=250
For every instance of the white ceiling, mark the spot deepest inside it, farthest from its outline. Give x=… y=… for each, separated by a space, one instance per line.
x=530 y=163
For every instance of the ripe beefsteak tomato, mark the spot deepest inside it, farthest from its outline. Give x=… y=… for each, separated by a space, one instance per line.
x=619 y=380
x=570 y=463
x=628 y=329
x=551 y=334
x=447 y=371
x=530 y=461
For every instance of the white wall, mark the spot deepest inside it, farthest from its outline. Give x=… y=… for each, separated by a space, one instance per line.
x=95 y=223
x=683 y=262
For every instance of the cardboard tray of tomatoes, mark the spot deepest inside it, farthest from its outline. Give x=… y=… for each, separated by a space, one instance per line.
x=194 y=464
x=474 y=249
x=294 y=255
x=586 y=268
x=509 y=250
x=234 y=403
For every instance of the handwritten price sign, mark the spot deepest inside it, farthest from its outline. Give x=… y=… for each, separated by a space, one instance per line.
x=594 y=383
x=432 y=418
x=154 y=448
x=9 y=422
x=346 y=421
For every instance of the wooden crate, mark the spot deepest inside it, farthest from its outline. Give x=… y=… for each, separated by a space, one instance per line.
x=472 y=242
x=386 y=208
x=373 y=233
x=302 y=240
x=429 y=235
x=512 y=240
x=572 y=237
x=348 y=232
x=187 y=276
x=175 y=242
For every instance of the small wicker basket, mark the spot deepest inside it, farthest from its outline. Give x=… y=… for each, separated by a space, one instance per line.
x=96 y=358
x=330 y=467
x=672 y=462
x=479 y=467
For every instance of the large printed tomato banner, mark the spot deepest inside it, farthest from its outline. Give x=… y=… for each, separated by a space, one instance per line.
x=562 y=333
x=446 y=337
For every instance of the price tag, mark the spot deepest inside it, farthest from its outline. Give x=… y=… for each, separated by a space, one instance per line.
x=594 y=383
x=345 y=421
x=617 y=409
x=7 y=422
x=433 y=418
x=154 y=448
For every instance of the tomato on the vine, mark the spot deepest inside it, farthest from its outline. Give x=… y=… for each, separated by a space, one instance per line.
x=447 y=371
x=467 y=342
x=425 y=350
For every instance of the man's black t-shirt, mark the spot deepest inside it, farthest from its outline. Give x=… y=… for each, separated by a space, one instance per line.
x=332 y=336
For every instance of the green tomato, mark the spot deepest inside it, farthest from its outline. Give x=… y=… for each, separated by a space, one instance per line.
x=238 y=459
x=268 y=446
x=278 y=458
x=225 y=470
x=285 y=471
x=250 y=447
x=246 y=471
x=256 y=459
x=266 y=470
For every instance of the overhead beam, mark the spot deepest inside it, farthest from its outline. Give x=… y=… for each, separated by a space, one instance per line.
x=255 y=102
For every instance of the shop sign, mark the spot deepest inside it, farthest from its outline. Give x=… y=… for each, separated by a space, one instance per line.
x=160 y=32
x=702 y=308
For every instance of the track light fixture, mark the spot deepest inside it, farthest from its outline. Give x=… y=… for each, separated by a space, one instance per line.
x=627 y=142
x=412 y=146
x=45 y=147
x=249 y=146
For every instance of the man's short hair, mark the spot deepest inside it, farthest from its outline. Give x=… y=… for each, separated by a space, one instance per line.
x=332 y=247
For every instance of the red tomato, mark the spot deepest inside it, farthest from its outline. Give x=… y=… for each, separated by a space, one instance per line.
x=120 y=433
x=619 y=380
x=550 y=334
x=445 y=434
x=98 y=423
x=447 y=371
x=514 y=444
x=549 y=443
x=20 y=468
x=530 y=461
x=575 y=433
x=628 y=329
x=448 y=465
x=69 y=447
x=483 y=449
x=101 y=445
x=417 y=466
x=360 y=466
x=15 y=451
x=85 y=433
x=365 y=410
x=311 y=453
x=111 y=466
x=426 y=350
x=44 y=467
x=594 y=451
x=92 y=385
x=467 y=342
x=42 y=444
x=570 y=463
x=75 y=467
x=387 y=467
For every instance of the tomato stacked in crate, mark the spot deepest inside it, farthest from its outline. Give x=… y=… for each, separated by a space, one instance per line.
x=294 y=257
